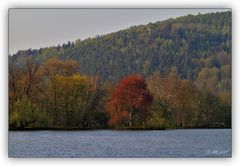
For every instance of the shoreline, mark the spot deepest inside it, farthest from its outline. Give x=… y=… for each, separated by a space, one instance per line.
x=111 y=129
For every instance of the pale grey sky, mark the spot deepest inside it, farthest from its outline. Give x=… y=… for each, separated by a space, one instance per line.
x=36 y=28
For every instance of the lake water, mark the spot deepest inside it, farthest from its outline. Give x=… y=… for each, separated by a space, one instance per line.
x=108 y=143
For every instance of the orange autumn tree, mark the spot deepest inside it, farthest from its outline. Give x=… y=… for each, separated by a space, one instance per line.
x=129 y=101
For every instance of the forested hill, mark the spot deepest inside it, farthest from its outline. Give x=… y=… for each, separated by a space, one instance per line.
x=197 y=48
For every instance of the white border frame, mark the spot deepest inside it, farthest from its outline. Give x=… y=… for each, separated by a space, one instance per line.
x=234 y=4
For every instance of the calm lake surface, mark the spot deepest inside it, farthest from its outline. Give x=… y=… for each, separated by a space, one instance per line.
x=108 y=143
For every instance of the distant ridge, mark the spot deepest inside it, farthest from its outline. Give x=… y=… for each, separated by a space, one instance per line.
x=187 y=45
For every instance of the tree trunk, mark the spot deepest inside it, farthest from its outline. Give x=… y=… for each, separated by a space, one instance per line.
x=130 y=117
x=55 y=109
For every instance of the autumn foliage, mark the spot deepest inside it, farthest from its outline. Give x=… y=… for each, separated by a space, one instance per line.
x=130 y=99
x=55 y=95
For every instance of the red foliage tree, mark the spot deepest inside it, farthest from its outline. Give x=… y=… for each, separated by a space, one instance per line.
x=129 y=96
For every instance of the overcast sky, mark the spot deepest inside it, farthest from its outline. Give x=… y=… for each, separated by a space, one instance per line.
x=36 y=28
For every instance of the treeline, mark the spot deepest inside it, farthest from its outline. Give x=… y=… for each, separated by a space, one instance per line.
x=195 y=46
x=181 y=104
x=54 y=95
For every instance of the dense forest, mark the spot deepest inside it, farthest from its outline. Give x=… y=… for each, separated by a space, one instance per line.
x=169 y=74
